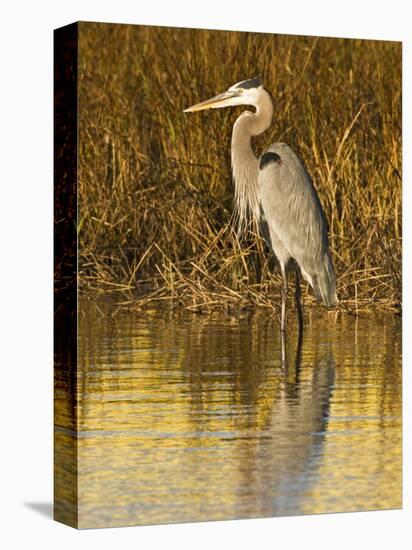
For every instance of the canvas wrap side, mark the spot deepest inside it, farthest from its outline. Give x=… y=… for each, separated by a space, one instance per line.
x=65 y=274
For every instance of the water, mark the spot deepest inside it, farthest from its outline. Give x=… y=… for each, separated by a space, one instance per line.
x=193 y=418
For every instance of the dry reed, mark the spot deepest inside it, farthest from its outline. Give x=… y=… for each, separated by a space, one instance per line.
x=155 y=189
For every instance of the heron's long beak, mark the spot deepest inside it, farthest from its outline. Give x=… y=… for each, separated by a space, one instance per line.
x=221 y=100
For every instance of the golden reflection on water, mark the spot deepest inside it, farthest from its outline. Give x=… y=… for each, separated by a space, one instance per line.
x=190 y=418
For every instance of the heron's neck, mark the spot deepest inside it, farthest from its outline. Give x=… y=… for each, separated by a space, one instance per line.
x=245 y=166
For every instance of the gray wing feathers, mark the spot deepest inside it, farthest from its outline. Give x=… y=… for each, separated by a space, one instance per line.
x=324 y=282
x=293 y=212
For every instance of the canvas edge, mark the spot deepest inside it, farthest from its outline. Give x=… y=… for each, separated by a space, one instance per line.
x=65 y=138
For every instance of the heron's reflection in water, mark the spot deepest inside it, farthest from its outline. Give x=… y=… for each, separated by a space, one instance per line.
x=275 y=414
x=190 y=418
x=298 y=424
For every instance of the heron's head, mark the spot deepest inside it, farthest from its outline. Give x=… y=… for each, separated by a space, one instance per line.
x=246 y=92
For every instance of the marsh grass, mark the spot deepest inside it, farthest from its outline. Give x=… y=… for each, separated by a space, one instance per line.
x=155 y=188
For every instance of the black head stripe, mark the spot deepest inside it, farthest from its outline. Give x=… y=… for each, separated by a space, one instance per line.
x=270 y=93
x=247 y=84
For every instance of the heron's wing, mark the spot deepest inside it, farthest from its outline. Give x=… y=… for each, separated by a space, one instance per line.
x=293 y=211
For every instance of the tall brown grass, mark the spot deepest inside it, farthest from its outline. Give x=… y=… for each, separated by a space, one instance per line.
x=155 y=187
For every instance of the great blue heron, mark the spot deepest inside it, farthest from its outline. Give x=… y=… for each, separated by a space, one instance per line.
x=277 y=193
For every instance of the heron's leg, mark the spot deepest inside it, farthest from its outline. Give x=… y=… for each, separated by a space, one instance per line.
x=284 y=297
x=283 y=347
x=298 y=360
x=298 y=301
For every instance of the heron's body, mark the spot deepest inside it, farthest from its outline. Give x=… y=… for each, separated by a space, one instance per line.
x=295 y=218
x=276 y=191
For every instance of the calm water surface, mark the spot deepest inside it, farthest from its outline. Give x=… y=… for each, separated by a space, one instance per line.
x=188 y=418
